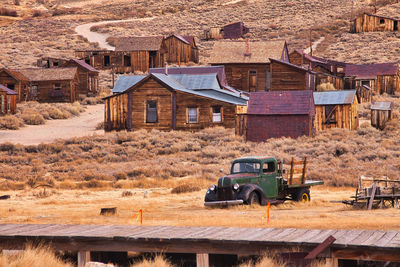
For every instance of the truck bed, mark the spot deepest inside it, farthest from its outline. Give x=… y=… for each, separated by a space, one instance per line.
x=307 y=183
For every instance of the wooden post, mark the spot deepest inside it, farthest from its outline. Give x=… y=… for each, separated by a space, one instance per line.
x=202 y=260
x=371 y=198
x=83 y=258
x=331 y=262
x=303 y=178
x=291 y=171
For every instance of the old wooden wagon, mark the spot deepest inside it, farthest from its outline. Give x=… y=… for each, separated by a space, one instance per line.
x=247 y=64
x=171 y=102
x=8 y=100
x=367 y=22
x=277 y=114
x=381 y=78
x=381 y=113
x=336 y=109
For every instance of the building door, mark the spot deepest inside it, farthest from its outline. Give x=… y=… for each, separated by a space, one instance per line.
x=252 y=81
x=152 y=59
x=395 y=26
x=106 y=61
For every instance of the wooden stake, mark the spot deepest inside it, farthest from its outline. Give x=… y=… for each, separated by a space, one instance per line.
x=202 y=260
x=371 y=198
x=83 y=258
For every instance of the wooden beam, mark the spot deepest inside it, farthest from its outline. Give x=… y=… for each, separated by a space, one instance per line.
x=320 y=248
x=371 y=198
x=202 y=260
x=83 y=258
x=331 y=262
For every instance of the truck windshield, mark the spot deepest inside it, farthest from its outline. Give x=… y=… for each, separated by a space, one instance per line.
x=240 y=167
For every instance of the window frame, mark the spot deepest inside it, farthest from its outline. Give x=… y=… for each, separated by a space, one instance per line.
x=188 y=115
x=148 y=108
x=57 y=88
x=221 y=120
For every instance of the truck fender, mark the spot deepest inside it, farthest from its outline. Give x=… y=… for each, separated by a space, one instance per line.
x=247 y=189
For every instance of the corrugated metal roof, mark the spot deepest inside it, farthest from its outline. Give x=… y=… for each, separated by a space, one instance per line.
x=125 y=82
x=281 y=103
x=370 y=71
x=343 y=97
x=7 y=90
x=382 y=105
x=195 y=82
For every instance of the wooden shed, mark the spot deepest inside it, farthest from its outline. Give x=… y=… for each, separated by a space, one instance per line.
x=8 y=100
x=171 y=102
x=247 y=64
x=231 y=31
x=181 y=49
x=99 y=59
x=286 y=76
x=367 y=22
x=336 y=109
x=277 y=114
x=51 y=85
x=381 y=113
x=88 y=77
x=15 y=81
x=381 y=77
x=50 y=62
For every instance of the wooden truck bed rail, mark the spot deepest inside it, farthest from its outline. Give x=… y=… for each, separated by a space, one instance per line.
x=297 y=175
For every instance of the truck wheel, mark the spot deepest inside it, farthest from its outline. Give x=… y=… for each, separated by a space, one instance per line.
x=302 y=195
x=253 y=199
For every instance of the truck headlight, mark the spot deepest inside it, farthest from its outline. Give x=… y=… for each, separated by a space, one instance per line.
x=236 y=186
x=212 y=187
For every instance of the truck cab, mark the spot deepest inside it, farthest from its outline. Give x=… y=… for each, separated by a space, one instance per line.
x=255 y=180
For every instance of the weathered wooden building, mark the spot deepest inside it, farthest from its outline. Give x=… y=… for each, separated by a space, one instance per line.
x=277 y=114
x=8 y=100
x=50 y=84
x=14 y=81
x=231 y=31
x=286 y=76
x=50 y=62
x=88 y=77
x=381 y=113
x=381 y=78
x=181 y=49
x=99 y=59
x=247 y=64
x=367 y=22
x=336 y=109
x=171 y=102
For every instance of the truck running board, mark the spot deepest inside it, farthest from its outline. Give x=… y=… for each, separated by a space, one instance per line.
x=224 y=203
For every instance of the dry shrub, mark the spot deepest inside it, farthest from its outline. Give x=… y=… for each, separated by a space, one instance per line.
x=8 y=12
x=185 y=188
x=10 y=122
x=33 y=118
x=325 y=87
x=126 y=194
x=33 y=257
x=158 y=261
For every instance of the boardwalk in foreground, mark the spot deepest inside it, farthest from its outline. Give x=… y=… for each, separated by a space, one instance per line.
x=349 y=244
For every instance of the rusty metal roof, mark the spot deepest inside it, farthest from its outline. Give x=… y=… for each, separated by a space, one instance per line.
x=7 y=90
x=281 y=103
x=382 y=105
x=139 y=43
x=343 y=97
x=371 y=71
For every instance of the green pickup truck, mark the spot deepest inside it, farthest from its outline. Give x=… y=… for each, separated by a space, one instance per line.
x=259 y=180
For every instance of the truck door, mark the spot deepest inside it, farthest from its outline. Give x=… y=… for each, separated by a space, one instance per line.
x=268 y=179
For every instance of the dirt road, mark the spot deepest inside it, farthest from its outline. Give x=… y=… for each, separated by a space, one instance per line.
x=83 y=125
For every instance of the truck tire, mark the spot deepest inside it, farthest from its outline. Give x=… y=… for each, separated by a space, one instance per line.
x=302 y=195
x=253 y=199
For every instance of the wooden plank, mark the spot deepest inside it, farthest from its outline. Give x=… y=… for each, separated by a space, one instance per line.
x=347 y=237
x=371 y=199
x=361 y=238
x=259 y=234
x=83 y=258
x=320 y=248
x=373 y=238
x=202 y=260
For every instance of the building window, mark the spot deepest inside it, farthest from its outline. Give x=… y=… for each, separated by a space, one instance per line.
x=192 y=115
x=382 y=21
x=11 y=86
x=366 y=83
x=252 y=80
x=57 y=86
x=151 y=111
x=127 y=60
x=216 y=114
x=106 y=61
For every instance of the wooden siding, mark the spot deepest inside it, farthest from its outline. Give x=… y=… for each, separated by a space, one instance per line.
x=284 y=77
x=345 y=116
x=379 y=118
x=178 y=51
x=8 y=103
x=171 y=109
x=19 y=86
x=337 y=82
x=369 y=23
x=263 y=127
x=88 y=81
x=387 y=84
x=237 y=76
x=298 y=59
x=46 y=91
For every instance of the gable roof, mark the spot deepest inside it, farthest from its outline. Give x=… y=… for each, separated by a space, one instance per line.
x=371 y=71
x=139 y=43
x=234 y=51
x=125 y=82
x=281 y=103
x=48 y=74
x=7 y=90
x=320 y=60
x=292 y=65
x=192 y=85
x=382 y=105
x=343 y=97
x=15 y=74
x=83 y=64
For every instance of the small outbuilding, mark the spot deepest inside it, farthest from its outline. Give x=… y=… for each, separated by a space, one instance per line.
x=381 y=113
x=88 y=77
x=367 y=22
x=8 y=100
x=181 y=49
x=277 y=114
x=231 y=31
x=336 y=109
